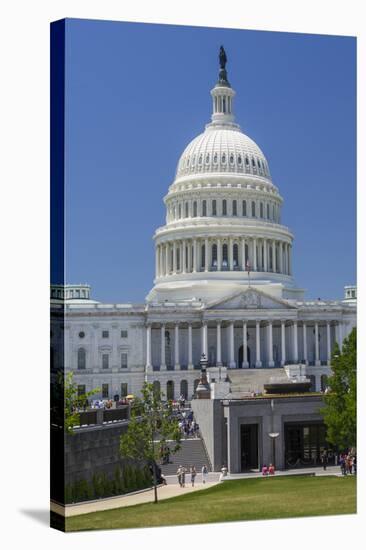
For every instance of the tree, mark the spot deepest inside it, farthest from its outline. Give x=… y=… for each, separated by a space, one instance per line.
x=152 y=423
x=73 y=402
x=340 y=400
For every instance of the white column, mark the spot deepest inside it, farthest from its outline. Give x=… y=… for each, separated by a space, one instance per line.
x=274 y=267
x=243 y=254
x=148 y=349
x=206 y=255
x=176 y=347
x=231 y=255
x=283 y=343
x=340 y=335
x=265 y=266
x=305 y=342
x=157 y=261
x=289 y=260
x=258 y=362
x=280 y=254
x=183 y=258
x=270 y=345
x=189 y=256
x=219 y=255
x=162 y=348
x=204 y=339
x=174 y=257
x=167 y=259
x=328 y=343
x=190 y=361
x=194 y=255
x=218 y=345
x=295 y=343
x=317 y=362
x=232 y=363
x=245 y=346
x=255 y=254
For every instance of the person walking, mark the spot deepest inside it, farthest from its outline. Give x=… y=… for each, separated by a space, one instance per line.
x=204 y=472
x=183 y=476
x=179 y=474
x=324 y=459
x=223 y=473
x=193 y=473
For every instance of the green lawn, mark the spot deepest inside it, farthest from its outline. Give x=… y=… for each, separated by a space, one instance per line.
x=244 y=499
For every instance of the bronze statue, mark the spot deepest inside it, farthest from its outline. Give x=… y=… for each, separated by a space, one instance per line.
x=222 y=57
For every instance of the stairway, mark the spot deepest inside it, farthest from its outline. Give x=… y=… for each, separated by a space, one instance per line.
x=248 y=380
x=192 y=452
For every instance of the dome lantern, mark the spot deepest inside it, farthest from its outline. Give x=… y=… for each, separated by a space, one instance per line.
x=222 y=96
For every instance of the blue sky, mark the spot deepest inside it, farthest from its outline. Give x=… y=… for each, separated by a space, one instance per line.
x=136 y=94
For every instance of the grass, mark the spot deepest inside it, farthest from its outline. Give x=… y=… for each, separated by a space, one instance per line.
x=239 y=500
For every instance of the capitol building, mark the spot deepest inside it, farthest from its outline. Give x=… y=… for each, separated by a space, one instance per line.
x=223 y=286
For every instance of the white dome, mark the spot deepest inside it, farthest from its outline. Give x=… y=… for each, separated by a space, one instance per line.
x=221 y=149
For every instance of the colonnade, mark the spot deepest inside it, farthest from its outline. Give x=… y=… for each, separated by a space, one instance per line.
x=222 y=254
x=296 y=355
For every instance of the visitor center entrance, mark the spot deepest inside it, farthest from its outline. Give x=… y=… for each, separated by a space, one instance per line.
x=249 y=447
x=304 y=443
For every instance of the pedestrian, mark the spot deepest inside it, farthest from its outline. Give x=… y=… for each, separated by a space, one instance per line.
x=342 y=463
x=264 y=470
x=193 y=473
x=204 y=472
x=324 y=459
x=180 y=474
x=271 y=470
x=355 y=465
x=349 y=463
x=183 y=477
x=223 y=473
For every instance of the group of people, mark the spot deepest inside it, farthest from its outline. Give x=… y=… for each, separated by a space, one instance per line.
x=187 y=425
x=348 y=463
x=268 y=470
x=182 y=471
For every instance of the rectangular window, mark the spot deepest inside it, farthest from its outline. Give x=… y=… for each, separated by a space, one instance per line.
x=81 y=390
x=105 y=361
x=105 y=391
x=214 y=207
x=235 y=212
x=124 y=389
x=105 y=334
x=124 y=361
x=124 y=334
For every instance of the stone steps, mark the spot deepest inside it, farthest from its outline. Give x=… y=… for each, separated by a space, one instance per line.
x=248 y=380
x=191 y=453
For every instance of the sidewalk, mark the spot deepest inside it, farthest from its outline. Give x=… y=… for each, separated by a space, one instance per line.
x=168 y=491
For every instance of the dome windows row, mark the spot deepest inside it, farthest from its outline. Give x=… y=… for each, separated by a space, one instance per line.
x=208 y=161
x=224 y=207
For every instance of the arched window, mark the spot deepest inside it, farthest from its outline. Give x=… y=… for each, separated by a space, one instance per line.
x=239 y=159
x=214 y=255
x=223 y=158
x=184 y=388
x=214 y=207
x=170 y=390
x=207 y=158
x=200 y=159
x=179 y=211
x=223 y=105
x=273 y=212
x=203 y=255
x=247 y=161
x=258 y=163
x=235 y=209
x=178 y=259
x=224 y=207
x=204 y=208
x=267 y=211
x=261 y=209
x=253 y=209
x=215 y=158
x=244 y=208
x=156 y=389
x=195 y=209
x=81 y=358
x=236 y=255
x=186 y=210
x=231 y=159
x=253 y=162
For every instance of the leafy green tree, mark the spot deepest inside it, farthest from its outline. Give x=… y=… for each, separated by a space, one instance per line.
x=340 y=400
x=151 y=425
x=73 y=402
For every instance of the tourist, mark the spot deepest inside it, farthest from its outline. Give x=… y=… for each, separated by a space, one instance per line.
x=342 y=463
x=271 y=470
x=324 y=459
x=223 y=473
x=264 y=470
x=183 y=476
x=204 y=472
x=180 y=474
x=349 y=462
x=193 y=473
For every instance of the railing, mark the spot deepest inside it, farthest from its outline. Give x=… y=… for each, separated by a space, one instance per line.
x=98 y=417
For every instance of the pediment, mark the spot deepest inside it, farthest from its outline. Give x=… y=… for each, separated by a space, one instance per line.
x=250 y=298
